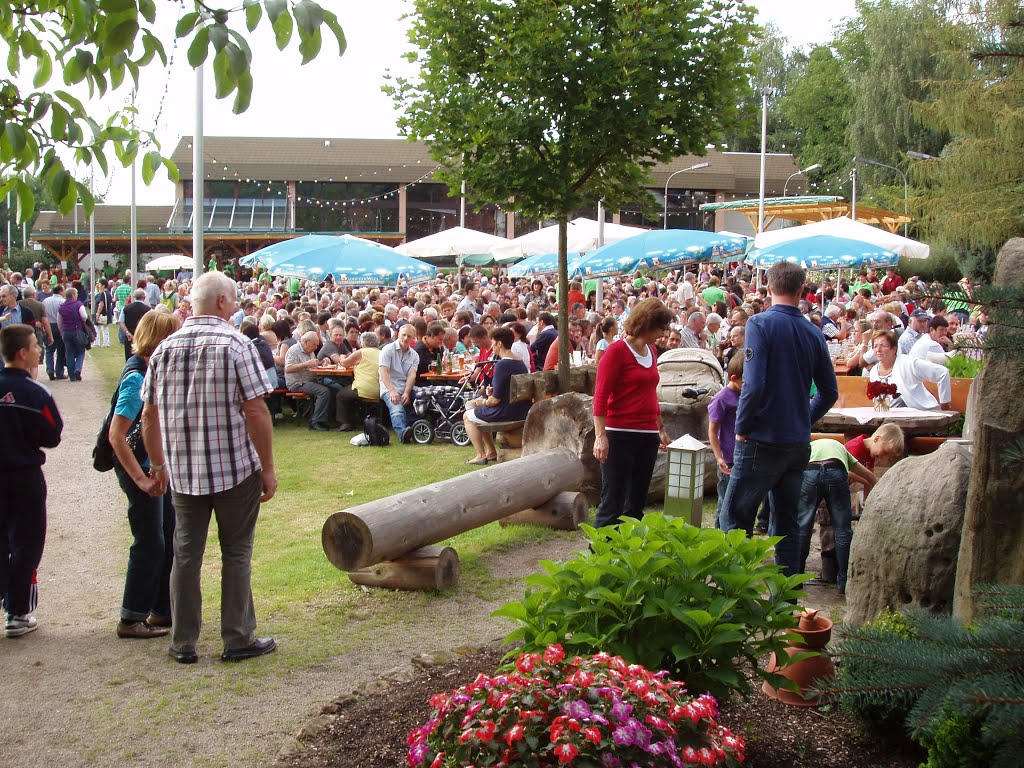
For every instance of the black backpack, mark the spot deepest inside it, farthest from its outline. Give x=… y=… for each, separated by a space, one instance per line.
x=376 y=433
x=103 y=459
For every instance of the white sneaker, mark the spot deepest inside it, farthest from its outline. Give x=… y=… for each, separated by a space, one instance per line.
x=20 y=625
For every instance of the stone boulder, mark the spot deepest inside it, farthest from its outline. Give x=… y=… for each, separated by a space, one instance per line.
x=906 y=545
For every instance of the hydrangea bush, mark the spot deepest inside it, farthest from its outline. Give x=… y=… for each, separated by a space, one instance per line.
x=588 y=712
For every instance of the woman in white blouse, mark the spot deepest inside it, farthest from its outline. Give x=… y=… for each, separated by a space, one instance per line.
x=909 y=375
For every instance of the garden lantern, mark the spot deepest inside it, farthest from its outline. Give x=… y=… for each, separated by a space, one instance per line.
x=684 y=480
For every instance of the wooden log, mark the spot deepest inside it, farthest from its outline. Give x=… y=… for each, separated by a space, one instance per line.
x=428 y=568
x=513 y=439
x=565 y=422
x=565 y=512
x=388 y=528
x=533 y=386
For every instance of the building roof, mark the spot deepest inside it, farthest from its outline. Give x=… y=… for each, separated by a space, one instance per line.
x=398 y=160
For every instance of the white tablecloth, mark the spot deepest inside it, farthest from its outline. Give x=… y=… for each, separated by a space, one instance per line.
x=865 y=414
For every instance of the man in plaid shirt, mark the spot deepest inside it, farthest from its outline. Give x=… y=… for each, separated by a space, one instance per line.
x=207 y=431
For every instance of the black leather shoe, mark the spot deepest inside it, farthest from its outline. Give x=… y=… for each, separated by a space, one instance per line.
x=407 y=435
x=263 y=645
x=318 y=427
x=183 y=657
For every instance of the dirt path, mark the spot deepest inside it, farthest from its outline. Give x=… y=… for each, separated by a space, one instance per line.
x=75 y=695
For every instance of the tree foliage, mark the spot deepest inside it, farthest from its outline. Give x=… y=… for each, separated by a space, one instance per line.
x=771 y=68
x=102 y=46
x=817 y=104
x=552 y=106
x=892 y=53
x=971 y=196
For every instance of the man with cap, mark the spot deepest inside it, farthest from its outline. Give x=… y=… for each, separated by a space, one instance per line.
x=916 y=328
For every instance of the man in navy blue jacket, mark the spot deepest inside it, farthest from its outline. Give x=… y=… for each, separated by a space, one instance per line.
x=784 y=354
x=29 y=422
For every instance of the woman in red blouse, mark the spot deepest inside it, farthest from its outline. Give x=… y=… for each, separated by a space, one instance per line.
x=627 y=418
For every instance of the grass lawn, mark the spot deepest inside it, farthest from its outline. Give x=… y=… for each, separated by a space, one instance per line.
x=300 y=597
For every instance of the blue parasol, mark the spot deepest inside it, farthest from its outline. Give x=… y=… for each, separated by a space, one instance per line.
x=660 y=249
x=351 y=261
x=824 y=252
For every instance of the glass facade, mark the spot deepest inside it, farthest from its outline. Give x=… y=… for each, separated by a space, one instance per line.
x=344 y=206
x=431 y=209
x=238 y=205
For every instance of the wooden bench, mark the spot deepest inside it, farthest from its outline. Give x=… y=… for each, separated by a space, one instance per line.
x=508 y=438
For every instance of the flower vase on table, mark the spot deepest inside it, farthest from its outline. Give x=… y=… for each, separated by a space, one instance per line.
x=881 y=394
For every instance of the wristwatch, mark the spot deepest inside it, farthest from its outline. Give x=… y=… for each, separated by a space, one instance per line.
x=157 y=467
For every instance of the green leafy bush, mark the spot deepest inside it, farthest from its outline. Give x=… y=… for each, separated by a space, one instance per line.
x=963 y=367
x=955 y=742
x=697 y=602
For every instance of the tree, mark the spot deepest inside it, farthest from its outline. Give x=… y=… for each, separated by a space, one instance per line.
x=891 y=54
x=817 y=105
x=970 y=196
x=100 y=44
x=770 y=73
x=551 y=106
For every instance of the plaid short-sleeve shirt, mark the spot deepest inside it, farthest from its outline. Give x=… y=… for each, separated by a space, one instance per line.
x=198 y=379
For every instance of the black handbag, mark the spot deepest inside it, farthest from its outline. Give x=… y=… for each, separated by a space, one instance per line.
x=103 y=458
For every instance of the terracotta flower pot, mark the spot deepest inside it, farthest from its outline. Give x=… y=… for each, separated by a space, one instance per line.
x=815 y=632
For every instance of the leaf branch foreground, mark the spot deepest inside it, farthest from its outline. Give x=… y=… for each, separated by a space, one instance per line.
x=100 y=45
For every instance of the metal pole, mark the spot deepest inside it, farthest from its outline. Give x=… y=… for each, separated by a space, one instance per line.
x=599 y=295
x=764 y=152
x=92 y=254
x=198 y=175
x=853 y=208
x=462 y=205
x=134 y=233
x=9 y=219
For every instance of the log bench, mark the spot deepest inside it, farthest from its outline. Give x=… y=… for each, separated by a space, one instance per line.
x=508 y=438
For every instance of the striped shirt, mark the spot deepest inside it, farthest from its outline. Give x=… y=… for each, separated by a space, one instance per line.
x=199 y=378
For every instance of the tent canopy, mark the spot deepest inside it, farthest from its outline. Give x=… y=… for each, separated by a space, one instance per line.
x=854 y=230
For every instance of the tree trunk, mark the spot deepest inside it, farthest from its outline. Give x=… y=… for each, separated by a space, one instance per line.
x=428 y=568
x=565 y=512
x=389 y=528
x=566 y=421
x=992 y=541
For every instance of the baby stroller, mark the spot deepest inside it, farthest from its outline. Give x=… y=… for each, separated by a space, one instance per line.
x=439 y=412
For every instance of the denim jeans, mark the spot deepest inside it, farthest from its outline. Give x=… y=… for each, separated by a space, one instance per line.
x=399 y=416
x=723 y=487
x=830 y=482
x=759 y=468
x=55 y=355
x=147 y=584
x=75 y=354
x=626 y=475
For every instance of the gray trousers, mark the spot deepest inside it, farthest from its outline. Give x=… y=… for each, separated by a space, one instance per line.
x=322 y=399
x=236 y=510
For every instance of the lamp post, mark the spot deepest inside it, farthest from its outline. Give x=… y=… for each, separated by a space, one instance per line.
x=672 y=175
x=906 y=195
x=808 y=169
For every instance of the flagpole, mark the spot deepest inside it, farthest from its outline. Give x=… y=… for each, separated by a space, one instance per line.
x=764 y=154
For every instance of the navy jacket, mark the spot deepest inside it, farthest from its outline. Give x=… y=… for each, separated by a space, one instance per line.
x=784 y=354
x=540 y=346
x=29 y=420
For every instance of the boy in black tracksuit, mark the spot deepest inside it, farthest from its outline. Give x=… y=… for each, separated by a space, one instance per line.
x=29 y=422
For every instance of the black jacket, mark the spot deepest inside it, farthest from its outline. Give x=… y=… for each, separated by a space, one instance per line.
x=29 y=420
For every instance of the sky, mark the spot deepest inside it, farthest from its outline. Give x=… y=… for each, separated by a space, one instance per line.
x=341 y=97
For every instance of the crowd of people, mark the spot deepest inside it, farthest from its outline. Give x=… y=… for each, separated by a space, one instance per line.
x=772 y=341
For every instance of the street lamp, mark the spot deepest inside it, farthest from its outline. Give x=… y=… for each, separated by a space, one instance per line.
x=906 y=195
x=808 y=169
x=671 y=176
x=920 y=155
